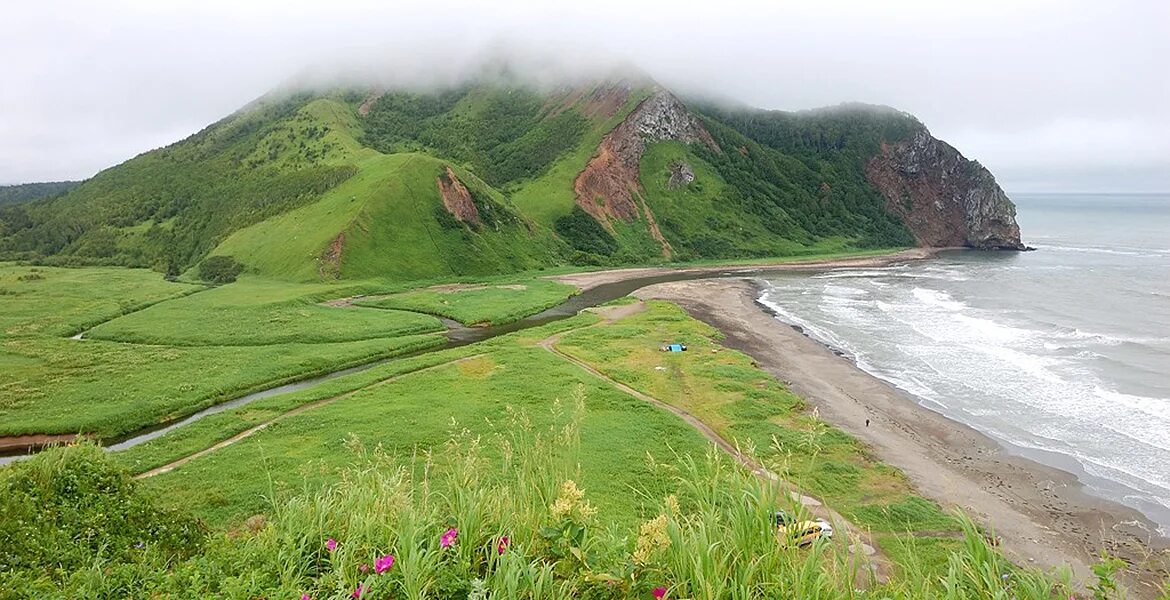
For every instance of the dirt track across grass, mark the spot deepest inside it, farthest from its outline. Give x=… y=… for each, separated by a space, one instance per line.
x=860 y=544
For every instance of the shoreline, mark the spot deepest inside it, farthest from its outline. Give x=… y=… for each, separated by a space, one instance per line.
x=1044 y=515
x=591 y=279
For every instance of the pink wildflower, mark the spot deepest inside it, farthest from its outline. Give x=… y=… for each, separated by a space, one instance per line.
x=357 y=593
x=305 y=597
x=502 y=545
x=364 y=568
x=660 y=592
x=383 y=564
x=331 y=544
x=449 y=538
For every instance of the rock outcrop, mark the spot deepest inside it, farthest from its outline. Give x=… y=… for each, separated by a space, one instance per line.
x=943 y=198
x=681 y=175
x=608 y=188
x=456 y=198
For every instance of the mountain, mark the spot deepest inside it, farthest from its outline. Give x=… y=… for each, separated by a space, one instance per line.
x=493 y=176
x=27 y=192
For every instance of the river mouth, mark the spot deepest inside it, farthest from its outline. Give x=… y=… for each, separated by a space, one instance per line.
x=17 y=447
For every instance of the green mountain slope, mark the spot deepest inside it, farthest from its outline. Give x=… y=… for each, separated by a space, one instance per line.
x=482 y=178
x=27 y=192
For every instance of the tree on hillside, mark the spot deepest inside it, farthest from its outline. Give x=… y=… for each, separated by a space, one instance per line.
x=220 y=269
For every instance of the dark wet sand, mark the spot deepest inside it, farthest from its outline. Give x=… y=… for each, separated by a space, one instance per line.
x=1043 y=515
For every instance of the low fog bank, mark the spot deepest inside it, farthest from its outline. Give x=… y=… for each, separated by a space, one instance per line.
x=1034 y=86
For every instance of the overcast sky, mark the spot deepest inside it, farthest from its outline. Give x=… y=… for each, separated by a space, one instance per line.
x=1053 y=96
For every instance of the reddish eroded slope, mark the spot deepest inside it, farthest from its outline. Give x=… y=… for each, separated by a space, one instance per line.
x=943 y=198
x=329 y=265
x=456 y=198
x=608 y=188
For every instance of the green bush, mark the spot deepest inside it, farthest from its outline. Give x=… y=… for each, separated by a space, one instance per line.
x=585 y=234
x=70 y=507
x=220 y=269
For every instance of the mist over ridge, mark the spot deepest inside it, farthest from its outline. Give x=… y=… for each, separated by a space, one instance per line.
x=1047 y=95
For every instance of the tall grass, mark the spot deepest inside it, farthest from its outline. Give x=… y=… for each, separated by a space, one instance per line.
x=519 y=527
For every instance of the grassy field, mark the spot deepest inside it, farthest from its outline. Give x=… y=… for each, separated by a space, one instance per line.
x=473 y=407
x=747 y=406
x=162 y=350
x=51 y=301
x=254 y=312
x=410 y=407
x=54 y=385
x=417 y=413
x=627 y=456
x=212 y=429
x=486 y=304
x=453 y=525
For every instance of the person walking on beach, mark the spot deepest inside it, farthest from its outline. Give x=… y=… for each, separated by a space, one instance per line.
x=867 y=422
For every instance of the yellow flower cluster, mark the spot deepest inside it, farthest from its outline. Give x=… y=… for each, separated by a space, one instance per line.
x=652 y=536
x=571 y=503
x=672 y=507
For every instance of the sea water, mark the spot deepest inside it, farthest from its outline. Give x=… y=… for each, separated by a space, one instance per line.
x=1062 y=354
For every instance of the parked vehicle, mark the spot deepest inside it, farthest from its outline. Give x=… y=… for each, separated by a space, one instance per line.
x=801 y=533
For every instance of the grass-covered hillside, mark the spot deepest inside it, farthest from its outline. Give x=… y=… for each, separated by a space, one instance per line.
x=476 y=179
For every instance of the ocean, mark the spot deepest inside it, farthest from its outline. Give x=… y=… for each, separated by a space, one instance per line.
x=1062 y=354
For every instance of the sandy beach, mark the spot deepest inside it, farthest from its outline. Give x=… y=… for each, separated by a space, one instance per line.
x=1042 y=515
x=593 y=279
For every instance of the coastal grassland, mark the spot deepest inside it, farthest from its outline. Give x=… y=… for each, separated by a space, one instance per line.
x=56 y=385
x=254 y=312
x=485 y=304
x=452 y=525
x=748 y=407
x=213 y=429
x=173 y=348
x=54 y=301
x=416 y=413
x=719 y=386
x=483 y=438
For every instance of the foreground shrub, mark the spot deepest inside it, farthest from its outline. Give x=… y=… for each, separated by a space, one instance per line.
x=69 y=508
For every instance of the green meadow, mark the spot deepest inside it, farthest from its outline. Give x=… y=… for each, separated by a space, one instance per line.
x=483 y=304
x=52 y=301
x=751 y=409
x=53 y=385
x=603 y=494
x=161 y=350
x=258 y=312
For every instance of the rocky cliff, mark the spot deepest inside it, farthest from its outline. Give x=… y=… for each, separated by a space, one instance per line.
x=608 y=188
x=943 y=198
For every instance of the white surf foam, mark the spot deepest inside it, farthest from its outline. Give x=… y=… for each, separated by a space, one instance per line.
x=1030 y=384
